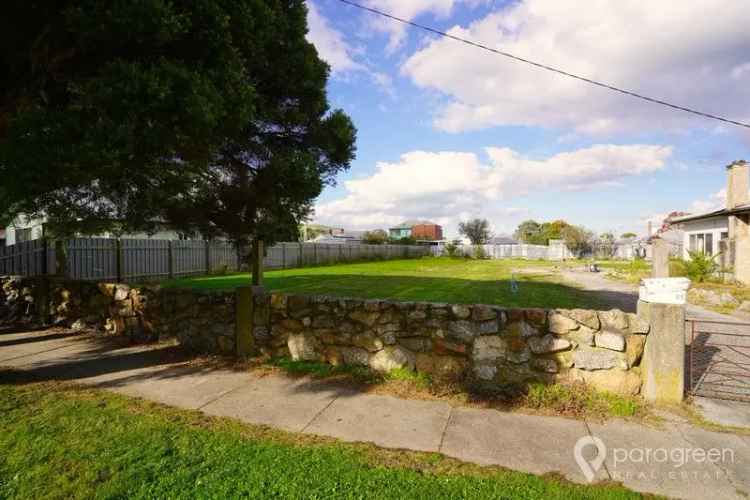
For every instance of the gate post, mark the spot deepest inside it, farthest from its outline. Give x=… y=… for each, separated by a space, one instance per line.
x=662 y=305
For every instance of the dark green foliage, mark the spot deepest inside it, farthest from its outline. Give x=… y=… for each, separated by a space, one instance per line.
x=534 y=233
x=406 y=240
x=477 y=230
x=211 y=115
x=376 y=237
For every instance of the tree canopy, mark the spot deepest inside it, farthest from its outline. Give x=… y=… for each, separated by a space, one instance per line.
x=536 y=233
x=211 y=116
x=477 y=230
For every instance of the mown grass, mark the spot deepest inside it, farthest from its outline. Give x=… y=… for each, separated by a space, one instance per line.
x=432 y=279
x=572 y=400
x=59 y=441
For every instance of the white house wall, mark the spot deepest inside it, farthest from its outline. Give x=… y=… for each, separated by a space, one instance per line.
x=715 y=226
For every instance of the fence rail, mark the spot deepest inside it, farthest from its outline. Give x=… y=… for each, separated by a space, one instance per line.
x=108 y=259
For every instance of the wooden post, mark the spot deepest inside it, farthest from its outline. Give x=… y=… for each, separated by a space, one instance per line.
x=256 y=265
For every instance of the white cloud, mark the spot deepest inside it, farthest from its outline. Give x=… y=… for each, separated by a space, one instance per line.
x=330 y=43
x=409 y=10
x=654 y=48
x=449 y=186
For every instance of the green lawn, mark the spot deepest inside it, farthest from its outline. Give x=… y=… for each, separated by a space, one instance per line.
x=57 y=441
x=433 y=279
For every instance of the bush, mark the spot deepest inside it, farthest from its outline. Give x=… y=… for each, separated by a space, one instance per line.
x=479 y=253
x=700 y=267
x=451 y=250
x=677 y=268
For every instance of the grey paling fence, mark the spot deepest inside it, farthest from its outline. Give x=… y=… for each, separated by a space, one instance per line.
x=108 y=259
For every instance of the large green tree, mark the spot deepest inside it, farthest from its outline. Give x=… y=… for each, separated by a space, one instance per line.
x=121 y=115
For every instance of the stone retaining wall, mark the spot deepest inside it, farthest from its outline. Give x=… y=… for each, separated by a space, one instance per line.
x=202 y=321
x=485 y=343
x=480 y=343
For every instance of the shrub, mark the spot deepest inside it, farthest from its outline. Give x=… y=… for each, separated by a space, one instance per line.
x=700 y=267
x=479 y=253
x=451 y=250
x=677 y=268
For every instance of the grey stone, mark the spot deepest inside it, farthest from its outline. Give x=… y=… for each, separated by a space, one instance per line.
x=548 y=343
x=636 y=324
x=368 y=342
x=416 y=344
x=610 y=340
x=462 y=330
x=594 y=360
x=545 y=365
x=461 y=311
x=354 y=356
x=520 y=329
x=392 y=357
x=485 y=372
x=585 y=317
x=483 y=313
x=583 y=336
x=486 y=327
x=489 y=348
x=561 y=324
x=302 y=347
x=614 y=320
x=121 y=292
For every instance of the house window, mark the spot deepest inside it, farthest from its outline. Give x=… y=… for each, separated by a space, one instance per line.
x=23 y=235
x=724 y=235
x=702 y=242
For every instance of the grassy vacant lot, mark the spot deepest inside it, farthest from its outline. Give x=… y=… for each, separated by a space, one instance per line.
x=433 y=279
x=58 y=441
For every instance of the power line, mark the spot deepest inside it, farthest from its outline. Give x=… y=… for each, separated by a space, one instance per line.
x=544 y=66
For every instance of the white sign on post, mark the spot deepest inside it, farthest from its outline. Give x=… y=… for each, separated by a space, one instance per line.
x=664 y=290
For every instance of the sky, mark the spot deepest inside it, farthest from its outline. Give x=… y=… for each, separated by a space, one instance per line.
x=448 y=132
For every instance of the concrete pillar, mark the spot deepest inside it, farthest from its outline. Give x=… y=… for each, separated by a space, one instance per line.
x=663 y=364
x=738 y=195
x=659 y=258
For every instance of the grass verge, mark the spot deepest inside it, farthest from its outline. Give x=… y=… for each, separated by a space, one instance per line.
x=62 y=441
x=574 y=400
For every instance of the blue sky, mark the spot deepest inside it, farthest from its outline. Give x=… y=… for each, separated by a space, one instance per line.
x=448 y=132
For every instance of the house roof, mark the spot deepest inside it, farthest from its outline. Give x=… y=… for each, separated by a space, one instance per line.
x=741 y=209
x=503 y=240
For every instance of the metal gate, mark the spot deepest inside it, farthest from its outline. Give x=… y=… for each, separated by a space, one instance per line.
x=718 y=359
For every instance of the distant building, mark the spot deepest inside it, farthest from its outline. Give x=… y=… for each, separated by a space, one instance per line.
x=418 y=229
x=724 y=232
x=427 y=232
x=340 y=237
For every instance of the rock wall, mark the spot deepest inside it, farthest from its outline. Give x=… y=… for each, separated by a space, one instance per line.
x=487 y=344
x=480 y=343
x=202 y=321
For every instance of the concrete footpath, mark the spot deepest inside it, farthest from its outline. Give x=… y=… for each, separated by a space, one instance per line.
x=676 y=460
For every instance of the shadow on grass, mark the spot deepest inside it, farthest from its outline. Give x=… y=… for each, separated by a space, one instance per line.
x=532 y=291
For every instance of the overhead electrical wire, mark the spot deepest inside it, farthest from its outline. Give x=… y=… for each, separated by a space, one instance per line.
x=547 y=67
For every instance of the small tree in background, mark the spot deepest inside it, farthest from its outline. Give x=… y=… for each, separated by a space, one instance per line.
x=528 y=231
x=477 y=230
x=578 y=239
x=606 y=245
x=376 y=237
x=628 y=236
